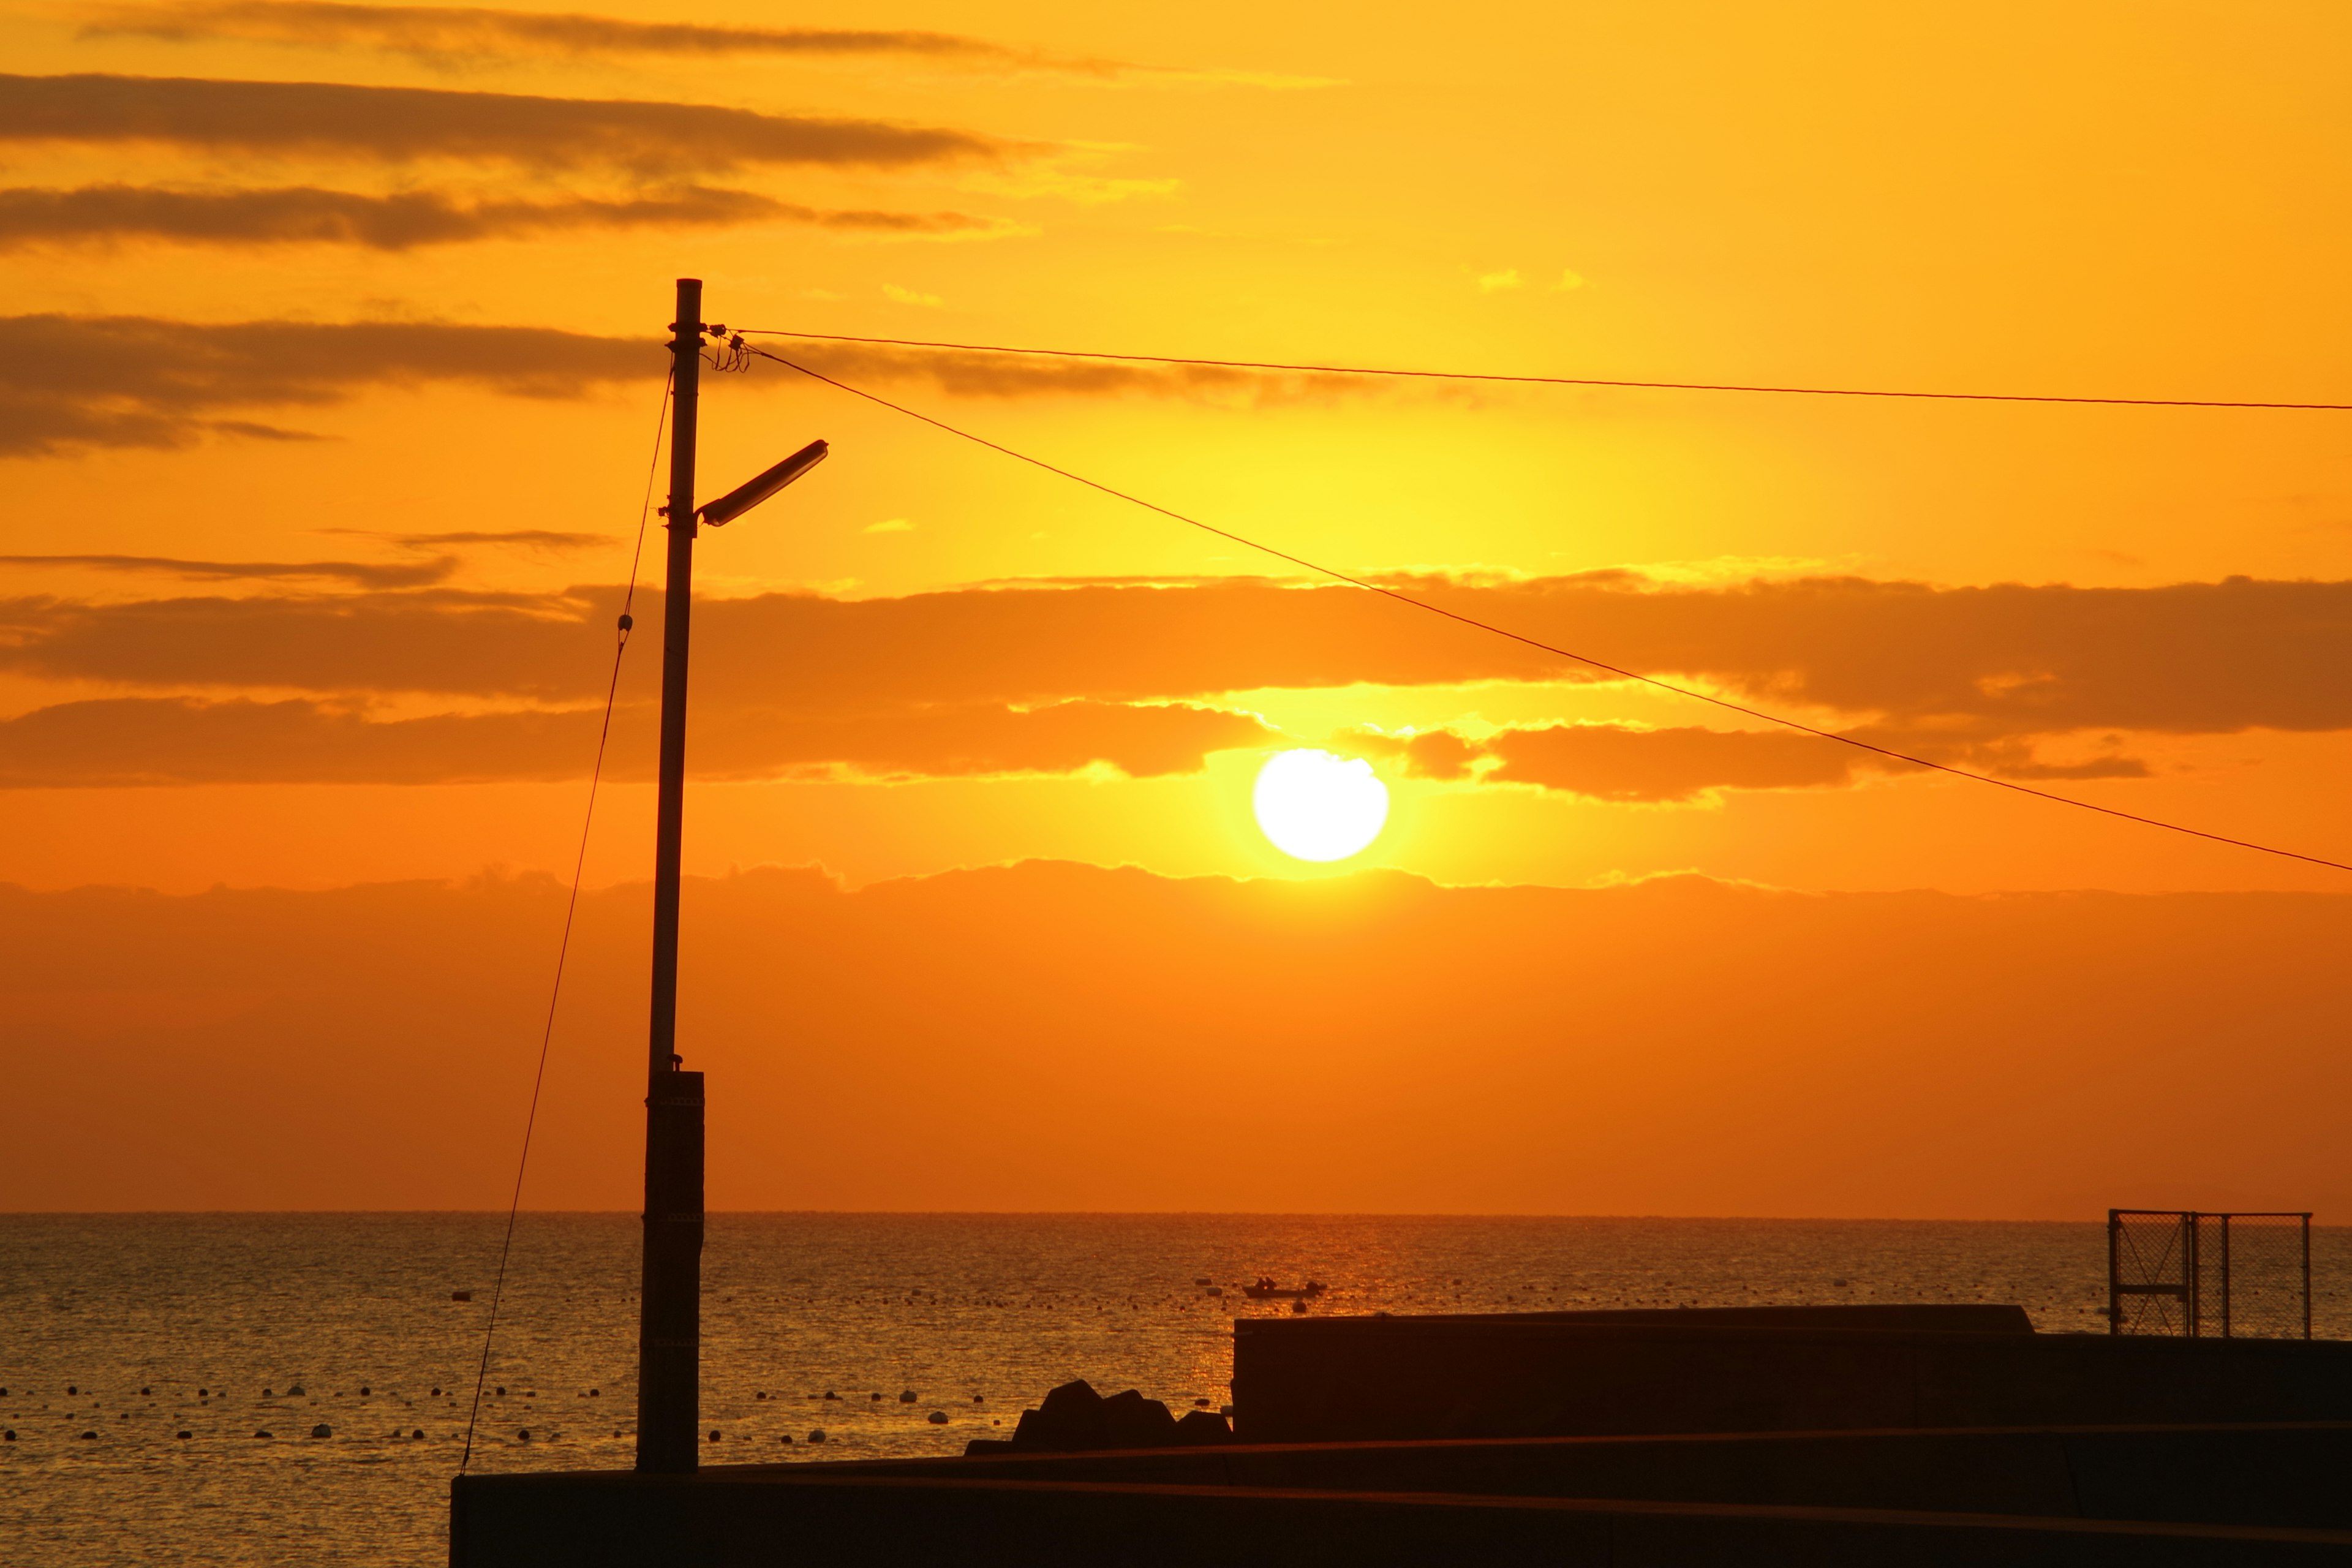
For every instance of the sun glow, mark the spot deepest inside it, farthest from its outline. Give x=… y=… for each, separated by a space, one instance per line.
x=1313 y=805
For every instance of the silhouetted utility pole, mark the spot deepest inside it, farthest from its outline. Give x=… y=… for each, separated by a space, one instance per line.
x=669 y=1325
x=669 y=1321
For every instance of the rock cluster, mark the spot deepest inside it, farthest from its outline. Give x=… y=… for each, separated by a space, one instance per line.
x=1073 y=1418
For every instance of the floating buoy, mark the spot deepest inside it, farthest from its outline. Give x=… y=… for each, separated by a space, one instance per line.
x=831 y=1394
x=436 y=1394
x=1216 y=1289
x=877 y=1396
x=365 y=1391
x=817 y=1436
x=266 y=1393
x=1204 y=1280
x=184 y=1436
x=785 y=1439
x=595 y=1393
x=937 y=1418
x=92 y=1437
x=71 y=1389
x=322 y=1430
x=201 y=1393
x=418 y=1433
x=761 y=1394
x=976 y=1399
x=526 y=1434
x=714 y=1434
x=261 y=1434
x=461 y=1294
x=1201 y=1403
x=907 y=1397
x=296 y=1392
x=146 y=1391
x=502 y=1391
x=9 y=1435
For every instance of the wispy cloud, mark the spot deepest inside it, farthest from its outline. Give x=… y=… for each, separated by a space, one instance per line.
x=448 y=35
x=135 y=380
x=405 y=123
x=526 y=538
x=308 y=216
x=360 y=573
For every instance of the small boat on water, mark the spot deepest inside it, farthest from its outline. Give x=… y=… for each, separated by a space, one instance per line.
x=1264 y=1289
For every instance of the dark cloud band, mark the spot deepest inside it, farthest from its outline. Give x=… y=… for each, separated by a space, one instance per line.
x=1949 y=668
x=451 y=33
x=306 y=215
x=401 y=124
x=135 y=380
x=121 y=741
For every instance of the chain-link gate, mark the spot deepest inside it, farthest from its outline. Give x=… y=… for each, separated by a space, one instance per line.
x=2225 y=1276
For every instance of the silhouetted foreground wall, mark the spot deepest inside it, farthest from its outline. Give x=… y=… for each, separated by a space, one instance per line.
x=1310 y=1379
x=2289 y=1476
x=731 y=1518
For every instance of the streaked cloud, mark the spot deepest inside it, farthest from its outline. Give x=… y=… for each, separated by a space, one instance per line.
x=548 y=539
x=1931 y=670
x=1620 y=762
x=126 y=742
x=136 y=381
x=402 y=124
x=360 y=574
x=305 y=214
x=444 y=34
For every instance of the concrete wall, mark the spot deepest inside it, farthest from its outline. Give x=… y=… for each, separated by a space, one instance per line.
x=2297 y=1476
x=1366 y=1379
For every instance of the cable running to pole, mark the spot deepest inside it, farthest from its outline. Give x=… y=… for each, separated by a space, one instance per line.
x=563 y=948
x=1370 y=587
x=1550 y=380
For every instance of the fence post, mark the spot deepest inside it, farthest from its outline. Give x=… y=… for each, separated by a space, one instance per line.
x=2190 y=1273
x=2306 y=1276
x=2225 y=1276
x=2114 y=1271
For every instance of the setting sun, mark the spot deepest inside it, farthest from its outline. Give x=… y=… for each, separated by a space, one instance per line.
x=1313 y=805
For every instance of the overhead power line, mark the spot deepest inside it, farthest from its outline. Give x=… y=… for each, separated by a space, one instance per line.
x=1455 y=615
x=1551 y=380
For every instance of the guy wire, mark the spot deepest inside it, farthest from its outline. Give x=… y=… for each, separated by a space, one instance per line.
x=571 y=909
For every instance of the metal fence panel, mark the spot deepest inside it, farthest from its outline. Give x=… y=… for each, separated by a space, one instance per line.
x=2226 y=1276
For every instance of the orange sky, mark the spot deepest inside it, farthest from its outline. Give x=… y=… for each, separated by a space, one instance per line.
x=328 y=389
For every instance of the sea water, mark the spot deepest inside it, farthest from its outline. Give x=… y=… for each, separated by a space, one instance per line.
x=118 y=1333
